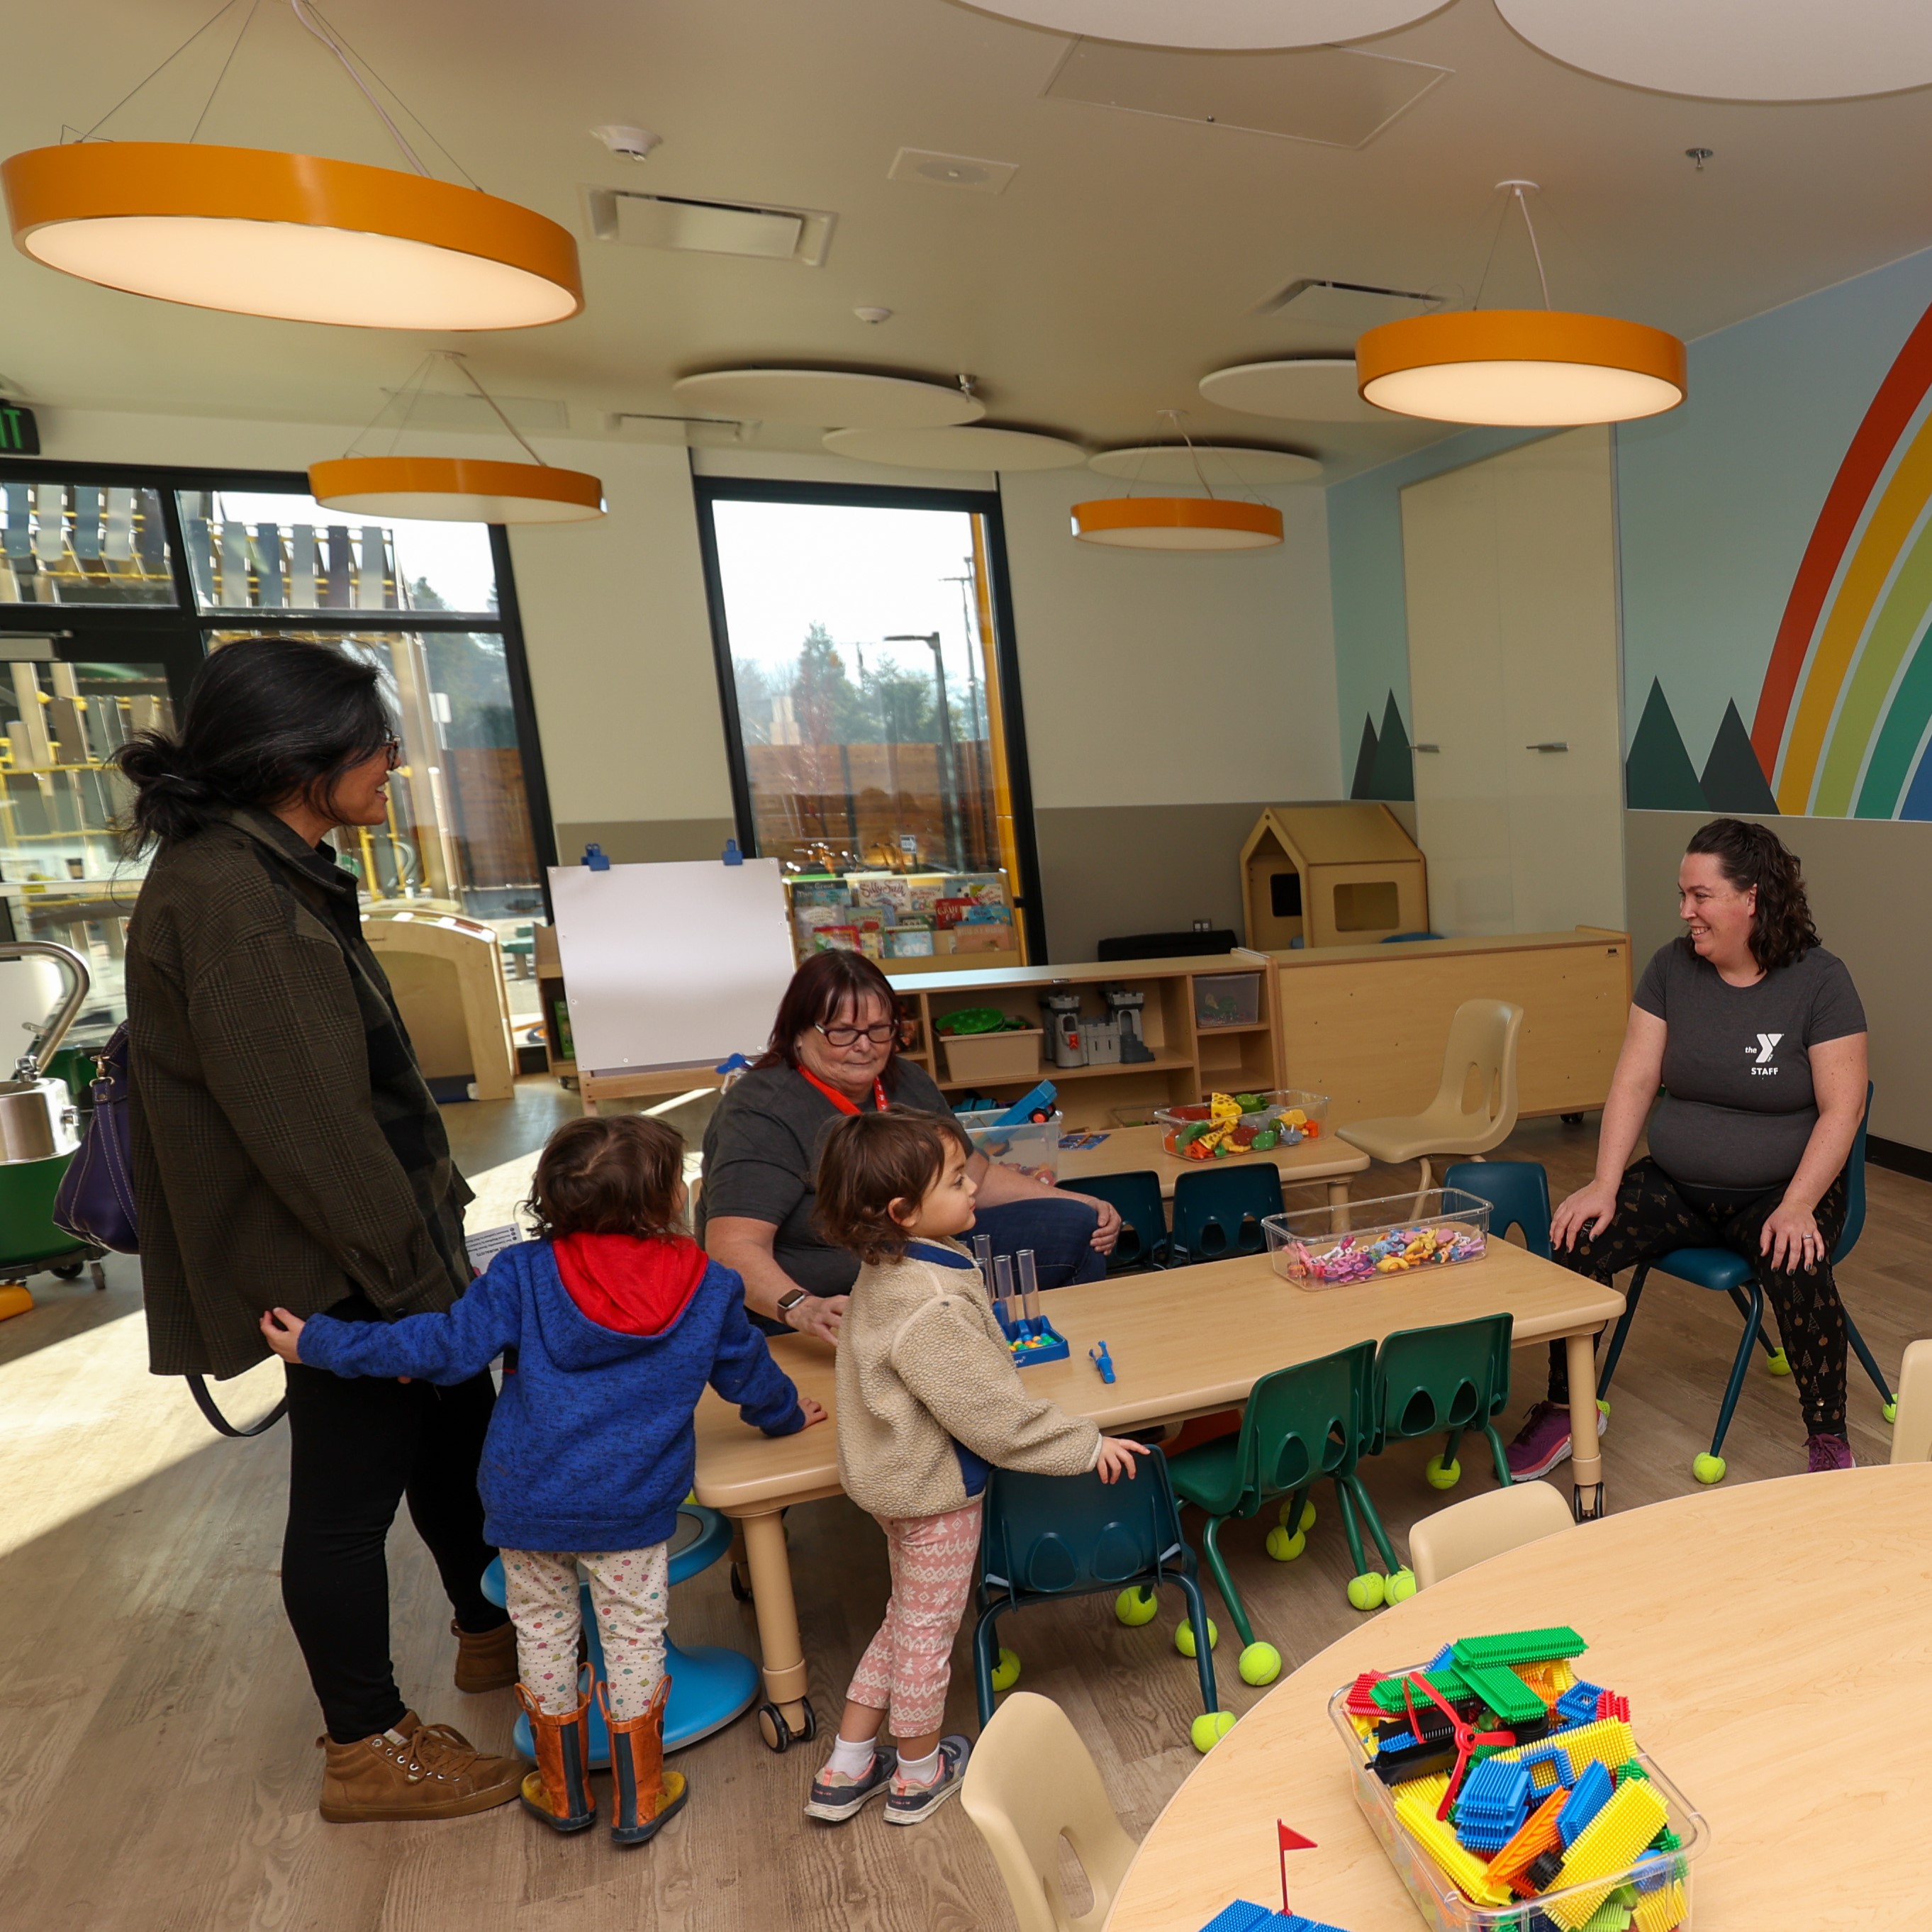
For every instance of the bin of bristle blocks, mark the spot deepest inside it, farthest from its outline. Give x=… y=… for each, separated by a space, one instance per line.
x=1510 y=1794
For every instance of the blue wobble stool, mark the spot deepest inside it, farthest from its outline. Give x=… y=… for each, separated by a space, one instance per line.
x=1725 y=1271
x=710 y=1685
x=1218 y=1211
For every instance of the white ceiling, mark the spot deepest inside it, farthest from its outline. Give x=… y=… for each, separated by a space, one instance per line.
x=1126 y=258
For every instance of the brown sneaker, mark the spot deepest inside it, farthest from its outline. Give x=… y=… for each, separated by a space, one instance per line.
x=487 y=1661
x=415 y=1771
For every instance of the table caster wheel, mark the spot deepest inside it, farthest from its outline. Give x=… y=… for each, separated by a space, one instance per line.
x=99 y=1274
x=1573 y=1119
x=778 y=1733
x=741 y=1583
x=67 y=1270
x=1587 y=1505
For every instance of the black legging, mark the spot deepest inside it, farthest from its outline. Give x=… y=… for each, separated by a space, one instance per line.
x=357 y=1446
x=1655 y=1214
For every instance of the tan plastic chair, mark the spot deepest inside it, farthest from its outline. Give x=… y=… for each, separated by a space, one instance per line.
x=1912 y=1427
x=1481 y=1058
x=1029 y=1783
x=1484 y=1526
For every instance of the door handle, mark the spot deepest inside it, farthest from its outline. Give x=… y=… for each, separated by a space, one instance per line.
x=1550 y=744
x=1425 y=748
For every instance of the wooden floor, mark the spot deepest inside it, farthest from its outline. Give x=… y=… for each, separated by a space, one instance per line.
x=158 y=1771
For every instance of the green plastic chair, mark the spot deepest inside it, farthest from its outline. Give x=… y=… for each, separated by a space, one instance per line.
x=1301 y=1424
x=1136 y=1195
x=1451 y=1379
x=1218 y=1211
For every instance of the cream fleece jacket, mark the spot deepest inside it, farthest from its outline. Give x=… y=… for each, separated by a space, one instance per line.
x=922 y=1362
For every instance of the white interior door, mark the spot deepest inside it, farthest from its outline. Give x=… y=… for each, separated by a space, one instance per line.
x=1509 y=566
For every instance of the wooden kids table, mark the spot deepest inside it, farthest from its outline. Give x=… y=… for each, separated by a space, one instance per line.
x=1768 y=1637
x=1189 y=1342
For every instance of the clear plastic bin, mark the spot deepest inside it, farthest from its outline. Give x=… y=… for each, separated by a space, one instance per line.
x=1276 y=1104
x=1445 y=1907
x=1227 y=999
x=1033 y=1146
x=1446 y=1227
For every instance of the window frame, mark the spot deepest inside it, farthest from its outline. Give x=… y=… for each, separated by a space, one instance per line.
x=708 y=490
x=175 y=635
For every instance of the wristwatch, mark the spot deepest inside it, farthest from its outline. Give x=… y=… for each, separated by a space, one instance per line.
x=788 y=1301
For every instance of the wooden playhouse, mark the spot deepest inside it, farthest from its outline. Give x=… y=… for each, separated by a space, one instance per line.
x=1343 y=874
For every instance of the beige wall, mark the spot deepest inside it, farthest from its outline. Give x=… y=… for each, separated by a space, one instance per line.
x=1862 y=876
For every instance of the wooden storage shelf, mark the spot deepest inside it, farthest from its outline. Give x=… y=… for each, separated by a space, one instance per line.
x=1219 y=1032
x=1162 y=1063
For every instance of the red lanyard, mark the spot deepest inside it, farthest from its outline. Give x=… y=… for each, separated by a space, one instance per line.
x=839 y=1100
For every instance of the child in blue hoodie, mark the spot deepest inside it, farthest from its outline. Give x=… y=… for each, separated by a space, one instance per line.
x=612 y=1324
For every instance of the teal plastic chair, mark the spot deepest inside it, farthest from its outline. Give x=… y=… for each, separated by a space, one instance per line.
x=1218 y=1212
x=1403 y=938
x=1726 y=1272
x=1137 y=1197
x=1042 y=1538
x=1447 y=1380
x=1518 y=1192
x=1302 y=1424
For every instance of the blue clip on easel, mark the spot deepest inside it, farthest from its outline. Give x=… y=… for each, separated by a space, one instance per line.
x=596 y=858
x=1032 y=1339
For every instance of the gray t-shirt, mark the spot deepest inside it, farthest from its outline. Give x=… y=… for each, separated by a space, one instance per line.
x=1738 y=1107
x=761 y=1158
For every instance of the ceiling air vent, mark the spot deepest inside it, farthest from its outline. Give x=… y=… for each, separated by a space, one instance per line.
x=1354 y=306
x=801 y=235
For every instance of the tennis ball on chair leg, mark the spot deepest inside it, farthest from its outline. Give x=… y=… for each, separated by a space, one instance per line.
x=1778 y=1363
x=1708 y=1468
x=1183 y=1637
x=1442 y=1475
x=1261 y=1664
x=1307 y=1516
x=1210 y=1728
x=1400 y=1587
x=1367 y=1591
x=1007 y=1671
x=1284 y=1548
x=1136 y=1606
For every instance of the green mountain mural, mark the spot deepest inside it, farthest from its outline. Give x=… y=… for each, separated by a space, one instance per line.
x=1363 y=784
x=1658 y=775
x=1394 y=775
x=1733 y=780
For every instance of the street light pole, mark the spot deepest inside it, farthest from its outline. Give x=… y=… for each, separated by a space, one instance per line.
x=948 y=789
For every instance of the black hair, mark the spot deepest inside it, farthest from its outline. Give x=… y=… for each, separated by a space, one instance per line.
x=267 y=719
x=1750 y=854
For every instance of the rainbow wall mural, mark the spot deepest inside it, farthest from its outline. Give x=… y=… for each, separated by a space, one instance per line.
x=1844 y=714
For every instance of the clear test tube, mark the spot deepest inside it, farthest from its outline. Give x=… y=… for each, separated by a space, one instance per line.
x=1029 y=1285
x=982 y=1253
x=1010 y=1307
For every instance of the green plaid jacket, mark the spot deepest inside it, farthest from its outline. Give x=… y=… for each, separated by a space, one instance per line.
x=286 y=1150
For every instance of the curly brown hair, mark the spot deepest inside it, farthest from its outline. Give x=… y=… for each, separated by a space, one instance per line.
x=614 y=1176
x=869 y=1161
x=1749 y=856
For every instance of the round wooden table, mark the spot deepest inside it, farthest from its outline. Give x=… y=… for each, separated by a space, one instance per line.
x=1775 y=1642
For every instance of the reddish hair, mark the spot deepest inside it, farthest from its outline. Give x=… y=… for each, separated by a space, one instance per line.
x=826 y=985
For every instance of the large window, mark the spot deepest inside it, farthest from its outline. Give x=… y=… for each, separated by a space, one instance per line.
x=871 y=705
x=114 y=586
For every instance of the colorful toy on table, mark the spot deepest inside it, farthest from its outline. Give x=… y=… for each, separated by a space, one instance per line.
x=1351 y=1259
x=1228 y=1124
x=1244 y=1916
x=1518 y=1781
x=1102 y=1361
x=1031 y=1336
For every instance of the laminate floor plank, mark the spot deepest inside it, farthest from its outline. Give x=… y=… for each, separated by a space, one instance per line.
x=158 y=1771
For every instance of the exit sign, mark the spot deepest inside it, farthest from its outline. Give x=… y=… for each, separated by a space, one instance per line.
x=19 y=434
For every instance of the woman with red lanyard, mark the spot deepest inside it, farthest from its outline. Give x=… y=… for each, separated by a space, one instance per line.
x=834 y=1051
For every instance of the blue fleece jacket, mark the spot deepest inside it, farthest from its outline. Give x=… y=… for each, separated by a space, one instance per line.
x=591 y=1446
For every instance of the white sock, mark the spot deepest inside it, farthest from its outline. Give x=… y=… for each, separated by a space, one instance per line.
x=916 y=1770
x=850 y=1759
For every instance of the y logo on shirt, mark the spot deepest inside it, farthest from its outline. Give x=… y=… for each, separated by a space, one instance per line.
x=1767 y=1044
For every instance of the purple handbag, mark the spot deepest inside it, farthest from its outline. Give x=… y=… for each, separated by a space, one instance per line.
x=96 y=1201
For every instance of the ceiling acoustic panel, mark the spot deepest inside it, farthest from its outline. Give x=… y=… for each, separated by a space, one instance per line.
x=1737 y=50
x=1218 y=464
x=1306 y=388
x=958 y=449
x=1217 y=23
x=826 y=399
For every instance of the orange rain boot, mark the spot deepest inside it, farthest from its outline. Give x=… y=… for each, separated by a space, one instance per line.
x=559 y=1790
x=642 y=1793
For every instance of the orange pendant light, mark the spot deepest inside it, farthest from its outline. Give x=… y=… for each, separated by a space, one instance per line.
x=1177 y=522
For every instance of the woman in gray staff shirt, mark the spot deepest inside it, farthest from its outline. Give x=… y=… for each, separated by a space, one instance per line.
x=1756 y=1034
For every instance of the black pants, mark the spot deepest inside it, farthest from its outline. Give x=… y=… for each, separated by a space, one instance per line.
x=357 y=1447
x=1655 y=1214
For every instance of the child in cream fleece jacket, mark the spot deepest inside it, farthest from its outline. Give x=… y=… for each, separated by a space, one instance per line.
x=929 y=1400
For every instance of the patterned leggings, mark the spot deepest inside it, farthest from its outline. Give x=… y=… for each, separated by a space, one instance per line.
x=1654 y=1214
x=630 y=1590
x=908 y=1666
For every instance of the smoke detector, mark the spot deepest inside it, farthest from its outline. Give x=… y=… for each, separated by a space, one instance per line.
x=634 y=144
x=874 y=316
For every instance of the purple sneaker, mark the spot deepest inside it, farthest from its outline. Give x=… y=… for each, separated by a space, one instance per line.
x=1828 y=1452
x=1541 y=1443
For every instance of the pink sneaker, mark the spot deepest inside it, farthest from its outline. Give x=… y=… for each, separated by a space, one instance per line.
x=1541 y=1444
x=1828 y=1452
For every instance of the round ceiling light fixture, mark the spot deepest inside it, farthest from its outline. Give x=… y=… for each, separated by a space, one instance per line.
x=1530 y=368
x=298 y=237
x=1736 y=49
x=978 y=446
x=453 y=489
x=830 y=399
x=1302 y=389
x=1216 y=23
x=1177 y=522
x=1189 y=462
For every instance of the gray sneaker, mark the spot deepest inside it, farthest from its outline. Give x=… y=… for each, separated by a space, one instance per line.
x=915 y=1806
x=835 y=1798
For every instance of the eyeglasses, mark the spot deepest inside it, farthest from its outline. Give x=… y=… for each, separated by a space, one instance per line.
x=392 y=750
x=850 y=1035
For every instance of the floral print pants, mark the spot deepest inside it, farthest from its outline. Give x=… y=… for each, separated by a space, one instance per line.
x=1655 y=1214
x=630 y=1590
x=908 y=1666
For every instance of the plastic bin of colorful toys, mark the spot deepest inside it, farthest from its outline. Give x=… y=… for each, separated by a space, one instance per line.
x=1440 y=1227
x=1255 y=1121
x=1566 y=1827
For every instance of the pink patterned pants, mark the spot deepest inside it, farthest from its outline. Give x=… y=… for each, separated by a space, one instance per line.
x=630 y=1590
x=908 y=1666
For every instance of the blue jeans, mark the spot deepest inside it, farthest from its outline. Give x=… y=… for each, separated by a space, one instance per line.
x=1059 y=1230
